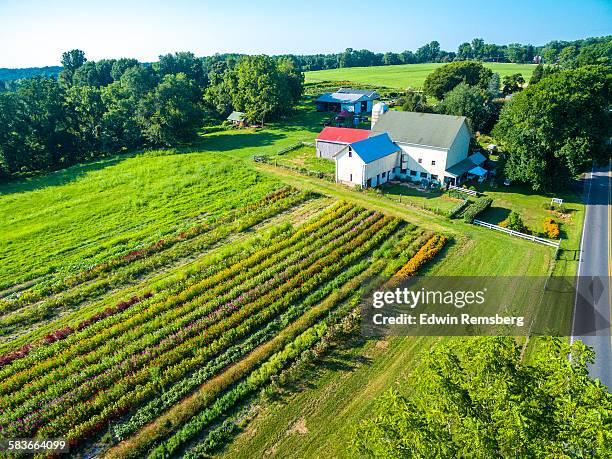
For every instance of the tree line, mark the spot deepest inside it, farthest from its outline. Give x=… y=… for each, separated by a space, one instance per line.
x=588 y=51
x=113 y=105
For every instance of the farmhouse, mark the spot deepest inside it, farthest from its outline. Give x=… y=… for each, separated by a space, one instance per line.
x=368 y=162
x=332 y=139
x=349 y=100
x=433 y=147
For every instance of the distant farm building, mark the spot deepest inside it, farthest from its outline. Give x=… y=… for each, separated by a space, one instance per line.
x=237 y=118
x=332 y=139
x=347 y=100
x=421 y=147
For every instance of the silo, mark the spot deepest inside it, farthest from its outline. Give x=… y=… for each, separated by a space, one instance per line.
x=378 y=109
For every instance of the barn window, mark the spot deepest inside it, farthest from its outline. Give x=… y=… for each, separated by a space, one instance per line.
x=420 y=160
x=434 y=177
x=433 y=163
x=384 y=174
x=350 y=152
x=424 y=174
x=413 y=173
x=351 y=177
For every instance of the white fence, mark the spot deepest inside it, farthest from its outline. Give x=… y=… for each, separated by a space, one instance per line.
x=463 y=190
x=529 y=237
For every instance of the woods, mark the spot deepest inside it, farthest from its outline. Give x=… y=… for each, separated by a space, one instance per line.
x=97 y=108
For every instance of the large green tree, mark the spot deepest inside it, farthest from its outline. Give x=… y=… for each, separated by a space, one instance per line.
x=445 y=78
x=171 y=112
x=468 y=101
x=554 y=129
x=478 y=397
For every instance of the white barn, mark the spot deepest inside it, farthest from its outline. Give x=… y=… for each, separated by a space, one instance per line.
x=433 y=147
x=369 y=162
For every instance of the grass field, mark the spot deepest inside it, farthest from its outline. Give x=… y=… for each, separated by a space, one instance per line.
x=160 y=291
x=403 y=76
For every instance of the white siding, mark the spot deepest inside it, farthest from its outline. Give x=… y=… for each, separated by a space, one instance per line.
x=349 y=170
x=375 y=169
x=459 y=149
x=428 y=156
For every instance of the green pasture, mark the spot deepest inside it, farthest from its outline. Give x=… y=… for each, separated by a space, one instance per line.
x=403 y=76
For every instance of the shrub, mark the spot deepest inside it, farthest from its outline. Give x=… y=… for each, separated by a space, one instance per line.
x=551 y=228
x=514 y=222
x=480 y=205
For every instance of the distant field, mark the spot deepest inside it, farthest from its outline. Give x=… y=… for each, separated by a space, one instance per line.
x=403 y=76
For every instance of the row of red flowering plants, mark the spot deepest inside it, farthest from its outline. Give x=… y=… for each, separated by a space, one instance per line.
x=259 y=284
x=126 y=369
x=237 y=220
x=209 y=287
x=63 y=333
x=33 y=388
x=80 y=414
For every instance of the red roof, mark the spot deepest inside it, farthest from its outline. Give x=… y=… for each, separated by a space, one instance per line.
x=343 y=135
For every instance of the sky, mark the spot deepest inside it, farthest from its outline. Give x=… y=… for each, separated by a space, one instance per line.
x=35 y=32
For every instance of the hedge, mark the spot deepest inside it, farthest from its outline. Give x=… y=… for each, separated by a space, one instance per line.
x=480 y=205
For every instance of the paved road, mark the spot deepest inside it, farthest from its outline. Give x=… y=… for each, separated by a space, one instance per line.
x=594 y=297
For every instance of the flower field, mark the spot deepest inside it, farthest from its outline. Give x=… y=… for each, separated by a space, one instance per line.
x=151 y=373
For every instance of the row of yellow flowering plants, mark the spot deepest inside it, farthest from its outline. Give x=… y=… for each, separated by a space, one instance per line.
x=428 y=251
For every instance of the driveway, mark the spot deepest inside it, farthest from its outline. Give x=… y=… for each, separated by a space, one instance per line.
x=592 y=313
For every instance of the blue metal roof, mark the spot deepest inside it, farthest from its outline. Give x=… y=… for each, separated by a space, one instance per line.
x=375 y=147
x=342 y=98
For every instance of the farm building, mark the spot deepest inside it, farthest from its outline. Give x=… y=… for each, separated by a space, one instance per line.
x=433 y=147
x=350 y=100
x=332 y=139
x=368 y=162
x=237 y=118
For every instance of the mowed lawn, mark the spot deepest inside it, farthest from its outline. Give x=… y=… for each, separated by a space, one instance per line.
x=404 y=76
